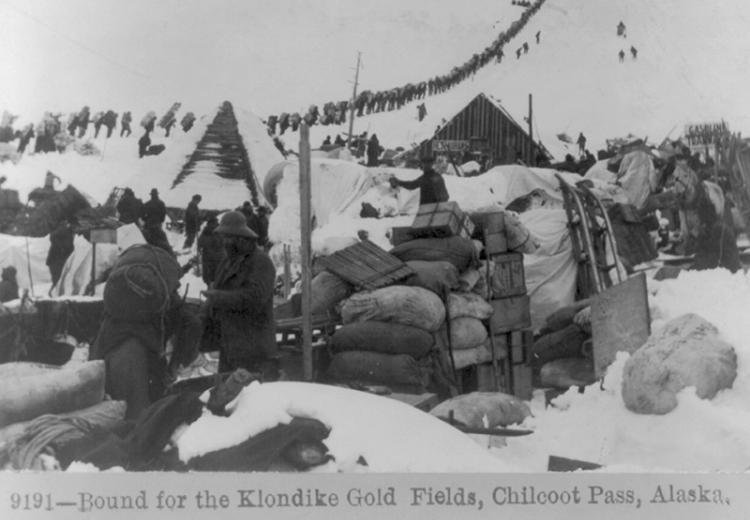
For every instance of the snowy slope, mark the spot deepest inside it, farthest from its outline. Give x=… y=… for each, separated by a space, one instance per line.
x=118 y=165
x=691 y=67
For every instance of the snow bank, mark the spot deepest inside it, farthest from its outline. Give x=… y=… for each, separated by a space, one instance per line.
x=699 y=435
x=390 y=435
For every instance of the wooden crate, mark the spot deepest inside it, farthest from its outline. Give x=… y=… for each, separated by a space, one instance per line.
x=507 y=278
x=401 y=234
x=442 y=219
x=493 y=222
x=509 y=314
x=366 y=266
x=495 y=244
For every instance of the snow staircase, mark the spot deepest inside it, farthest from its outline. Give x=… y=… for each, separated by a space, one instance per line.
x=222 y=152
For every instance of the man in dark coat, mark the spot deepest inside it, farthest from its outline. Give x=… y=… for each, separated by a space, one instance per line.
x=211 y=249
x=247 y=210
x=373 y=150
x=129 y=207
x=431 y=184
x=8 y=285
x=61 y=246
x=261 y=219
x=154 y=213
x=240 y=323
x=192 y=221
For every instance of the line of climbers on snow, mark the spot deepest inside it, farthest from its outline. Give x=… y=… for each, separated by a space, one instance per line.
x=367 y=101
x=54 y=135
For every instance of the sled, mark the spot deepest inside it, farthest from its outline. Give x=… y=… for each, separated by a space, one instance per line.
x=589 y=281
x=592 y=236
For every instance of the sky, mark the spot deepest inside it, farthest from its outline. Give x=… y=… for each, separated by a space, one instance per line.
x=269 y=56
x=282 y=56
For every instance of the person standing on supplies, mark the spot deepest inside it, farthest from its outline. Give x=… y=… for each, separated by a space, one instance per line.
x=239 y=310
x=192 y=221
x=49 y=181
x=431 y=184
x=61 y=246
x=581 y=144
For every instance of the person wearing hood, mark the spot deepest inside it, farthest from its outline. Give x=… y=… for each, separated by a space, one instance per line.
x=8 y=285
x=240 y=322
x=431 y=184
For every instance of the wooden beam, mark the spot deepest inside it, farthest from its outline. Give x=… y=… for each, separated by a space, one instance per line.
x=305 y=194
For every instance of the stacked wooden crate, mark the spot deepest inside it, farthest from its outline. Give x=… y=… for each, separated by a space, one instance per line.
x=510 y=322
x=438 y=220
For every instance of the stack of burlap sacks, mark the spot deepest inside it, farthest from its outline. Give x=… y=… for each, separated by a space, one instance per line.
x=397 y=335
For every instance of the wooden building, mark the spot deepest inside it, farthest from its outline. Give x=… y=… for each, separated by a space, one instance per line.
x=485 y=128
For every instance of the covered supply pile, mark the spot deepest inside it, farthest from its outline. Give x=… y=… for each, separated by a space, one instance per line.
x=410 y=333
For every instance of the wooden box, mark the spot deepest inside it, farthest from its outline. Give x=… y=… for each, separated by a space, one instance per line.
x=495 y=244
x=442 y=219
x=493 y=222
x=510 y=314
x=507 y=277
x=401 y=234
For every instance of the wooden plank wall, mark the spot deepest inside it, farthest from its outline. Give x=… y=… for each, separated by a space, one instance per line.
x=483 y=119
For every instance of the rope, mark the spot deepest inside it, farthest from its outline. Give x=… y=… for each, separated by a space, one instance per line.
x=41 y=434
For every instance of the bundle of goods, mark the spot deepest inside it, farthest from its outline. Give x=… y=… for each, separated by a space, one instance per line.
x=169 y=116
x=141 y=284
x=44 y=408
x=55 y=208
x=149 y=120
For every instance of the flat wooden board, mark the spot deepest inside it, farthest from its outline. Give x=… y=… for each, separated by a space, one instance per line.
x=366 y=266
x=620 y=321
x=424 y=402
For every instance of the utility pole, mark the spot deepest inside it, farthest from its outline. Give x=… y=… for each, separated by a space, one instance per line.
x=305 y=249
x=354 y=98
x=531 y=134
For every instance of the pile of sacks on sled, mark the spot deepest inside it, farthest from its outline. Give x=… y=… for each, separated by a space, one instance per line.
x=397 y=335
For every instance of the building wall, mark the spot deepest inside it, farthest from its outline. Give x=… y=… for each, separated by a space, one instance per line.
x=481 y=118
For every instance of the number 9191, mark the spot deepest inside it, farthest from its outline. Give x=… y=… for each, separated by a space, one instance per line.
x=31 y=501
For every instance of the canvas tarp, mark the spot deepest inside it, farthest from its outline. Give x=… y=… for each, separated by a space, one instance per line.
x=551 y=271
x=29 y=256
x=76 y=273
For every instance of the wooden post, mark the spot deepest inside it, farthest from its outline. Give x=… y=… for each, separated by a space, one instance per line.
x=287 y=271
x=531 y=134
x=305 y=194
x=354 y=98
x=92 y=291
